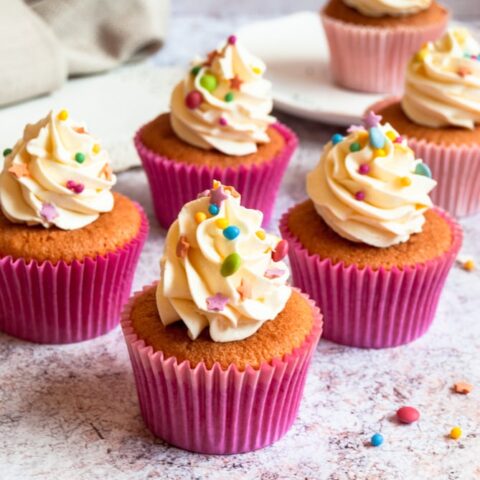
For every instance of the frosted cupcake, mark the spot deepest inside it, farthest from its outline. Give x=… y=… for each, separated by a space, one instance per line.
x=371 y=41
x=440 y=116
x=221 y=346
x=69 y=246
x=219 y=127
x=367 y=245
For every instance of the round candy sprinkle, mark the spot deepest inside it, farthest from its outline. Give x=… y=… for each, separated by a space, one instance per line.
x=360 y=196
x=364 y=169
x=260 y=234
x=62 y=115
x=355 y=147
x=405 y=181
x=79 y=157
x=231 y=264
x=280 y=251
x=229 y=97
x=213 y=209
x=7 y=152
x=377 y=138
x=423 y=169
x=232 y=39
x=231 y=232
x=223 y=121
x=194 y=99
x=408 y=414
x=209 y=82
x=376 y=440
x=96 y=148
x=455 y=433
x=200 y=217
x=391 y=135
x=221 y=223
x=257 y=70
x=337 y=138
x=380 y=152
x=195 y=70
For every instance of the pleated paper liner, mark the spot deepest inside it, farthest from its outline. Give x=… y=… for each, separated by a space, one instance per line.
x=372 y=59
x=173 y=184
x=213 y=410
x=67 y=302
x=456 y=168
x=370 y=308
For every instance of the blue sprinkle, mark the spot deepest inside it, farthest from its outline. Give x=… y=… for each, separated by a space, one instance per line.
x=231 y=232
x=376 y=440
x=377 y=138
x=213 y=209
x=337 y=138
x=423 y=169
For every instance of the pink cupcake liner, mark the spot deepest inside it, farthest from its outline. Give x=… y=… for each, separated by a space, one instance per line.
x=174 y=183
x=213 y=410
x=67 y=302
x=456 y=168
x=372 y=59
x=370 y=308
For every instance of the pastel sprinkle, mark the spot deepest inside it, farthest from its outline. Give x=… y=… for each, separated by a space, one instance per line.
x=377 y=139
x=193 y=99
x=360 y=196
x=223 y=121
x=257 y=70
x=423 y=169
x=405 y=181
x=371 y=120
x=79 y=157
x=49 y=212
x=469 y=265
x=355 y=147
x=19 y=170
x=182 y=247
x=217 y=195
x=96 y=148
x=229 y=97
x=231 y=232
x=337 y=138
x=391 y=135
x=200 y=217
x=379 y=152
x=408 y=415
x=455 y=433
x=7 y=152
x=217 y=303
x=463 y=388
x=280 y=251
x=244 y=289
x=231 y=264
x=221 y=223
x=261 y=234
x=209 y=82
x=62 y=115
x=195 y=70
x=376 y=440
x=213 y=209
x=364 y=169
x=272 y=273
x=232 y=39
x=399 y=139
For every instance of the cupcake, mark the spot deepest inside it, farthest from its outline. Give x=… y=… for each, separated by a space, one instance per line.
x=440 y=116
x=69 y=246
x=368 y=246
x=220 y=347
x=219 y=127
x=371 y=41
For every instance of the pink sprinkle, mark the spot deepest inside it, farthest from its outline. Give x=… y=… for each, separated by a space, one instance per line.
x=360 y=196
x=274 y=273
x=232 y=39
x=399 y=139
x=364 y=169
x=205 y=193
x=49 y=212
x=75 y=187
x=217 y=302
x=223 y=122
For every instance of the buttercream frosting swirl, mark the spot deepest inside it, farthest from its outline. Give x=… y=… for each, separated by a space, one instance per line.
x=380 y=8
x=442 y=85
x=220 y=270
x=56 y=175
x=368 y=186
x=224 y=102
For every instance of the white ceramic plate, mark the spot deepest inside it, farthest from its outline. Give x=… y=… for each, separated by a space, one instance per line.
x=295 y=50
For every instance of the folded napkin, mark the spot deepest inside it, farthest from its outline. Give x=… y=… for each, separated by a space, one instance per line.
x=42 y=42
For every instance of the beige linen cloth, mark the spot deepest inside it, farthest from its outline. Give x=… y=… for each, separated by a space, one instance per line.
x=42 y=42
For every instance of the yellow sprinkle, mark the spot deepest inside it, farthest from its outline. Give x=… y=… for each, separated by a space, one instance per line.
x=405 y=181
x=200 y=217
x=216 y=184
x=261 y=299
x=96 y=148
x=221 y=223
x=391 y=135
x=379 y=152
x=62 y=115
x=257 y=70
x=260 y=234
x=455 y=433
x=268 y=250
x=469 y=265
x=362 y=135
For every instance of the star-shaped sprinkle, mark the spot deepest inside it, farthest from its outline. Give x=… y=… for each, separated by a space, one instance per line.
x=274 y=273
x=19 y=170
x=217 y=302
x=80 y=130
x=211 y=57
x=244 y=290
x=464 y=71
x=182 y=247
x=107 y=171
x=371 y=120
x=463 y=388
x=235 y=82
x=231 y=190
x=49 y=212
x=217 y=196
x=355 y=128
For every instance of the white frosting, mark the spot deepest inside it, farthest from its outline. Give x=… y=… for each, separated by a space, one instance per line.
x=379 y=8
x=33 y=184
x=250 y=296
x=391 y=207
x=443 y=83
x=232 y=127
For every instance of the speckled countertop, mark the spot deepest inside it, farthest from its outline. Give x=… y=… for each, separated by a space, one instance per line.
x=71 y=412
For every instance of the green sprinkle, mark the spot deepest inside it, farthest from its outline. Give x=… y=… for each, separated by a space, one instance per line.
x=209 y=82
x=231 y=264
x=423 y=169
x=79 y=157
x=195 y=70
x=229 y=97
x=355 y=147
x=7 y=152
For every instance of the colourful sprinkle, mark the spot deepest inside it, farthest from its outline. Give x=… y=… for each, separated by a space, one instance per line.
x=196 y=70
x=391 y=135
x=200 y=217
x=464 y=71
x=79 y=157
x=223 y=121
x=280 y=251
x=376 y=440
x=463 y=388
x=244 y=289
x=49 y=212
x=217 y=303
x=272 y=273
x=261 y=234
x=405 y=181
x=7 y=152
x=371 y=120
x=62 y=115
x=423 y=169
x=399 y=139
x=235 y=82
x=75 y=187
x=337 y=138
x=360 y=196
x=455 y=433
x=213 y=209
x=408 y=414
x=379 y=152
x=221 y=223
x=209 y=82
x=364 y=169
x=232 y=39
x=231 y=232
x=96 y=148
x=377 y=139
x=355 y=147
x=468 y=265
x=257 y=70
x=231 y=264
x=229 y=97
x=217 y=195
x=182 y=247
x=19 y=170
x=355 y=128
x=194 y=99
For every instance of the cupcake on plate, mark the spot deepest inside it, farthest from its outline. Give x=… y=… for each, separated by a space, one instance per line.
x=367 y=246
x=440 y=116
x=219 y=127
x=220 y=347
x=69 y=246
x=371 y=41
